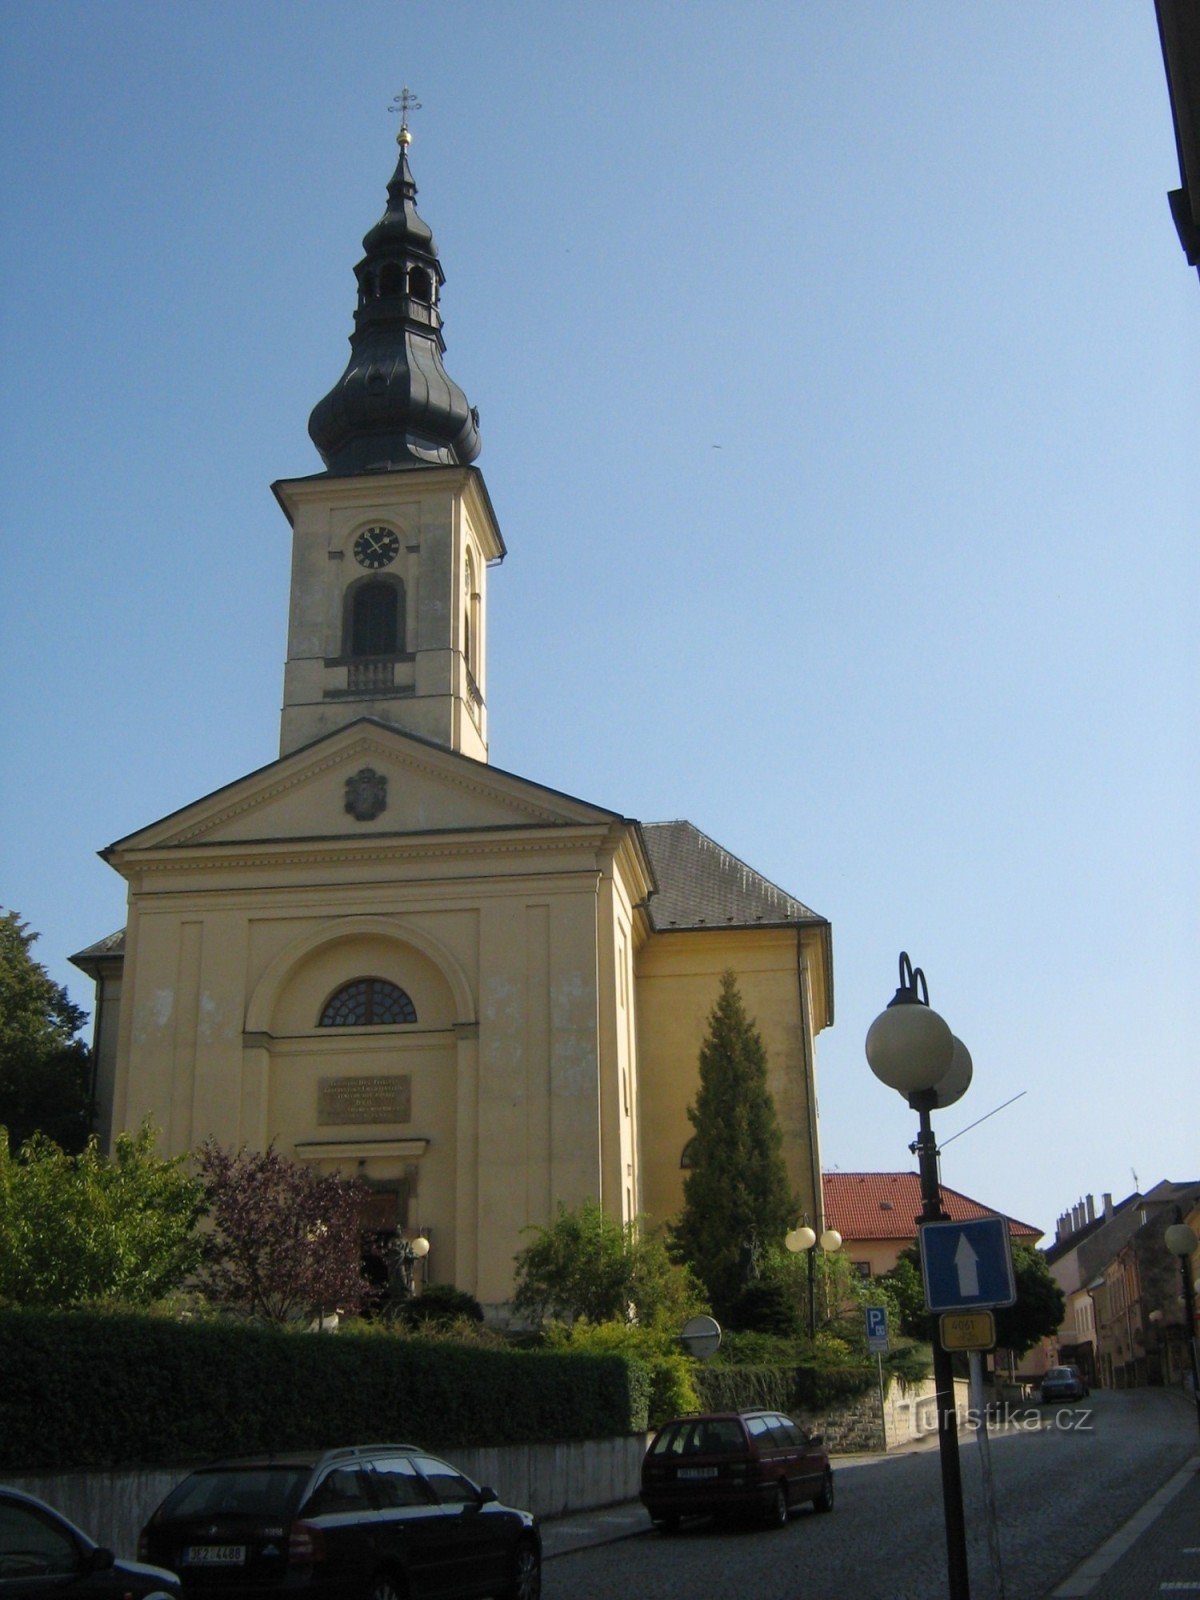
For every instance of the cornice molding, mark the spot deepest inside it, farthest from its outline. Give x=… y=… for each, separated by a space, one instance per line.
x=558 y=840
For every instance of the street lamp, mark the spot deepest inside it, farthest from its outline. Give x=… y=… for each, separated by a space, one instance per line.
x=911 y=1049
x=405 y=1254
x=805 y=1239
x=1181 y=1241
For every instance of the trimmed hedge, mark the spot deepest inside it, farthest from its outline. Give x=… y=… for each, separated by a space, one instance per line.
x=84 y=1390
x=773 y=1388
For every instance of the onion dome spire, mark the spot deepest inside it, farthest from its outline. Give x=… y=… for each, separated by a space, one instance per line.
x=395 y=406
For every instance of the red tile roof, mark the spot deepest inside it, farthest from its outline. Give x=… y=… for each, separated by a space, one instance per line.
x=885 y=1205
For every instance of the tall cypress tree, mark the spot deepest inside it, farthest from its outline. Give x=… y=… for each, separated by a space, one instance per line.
x=736 y=1197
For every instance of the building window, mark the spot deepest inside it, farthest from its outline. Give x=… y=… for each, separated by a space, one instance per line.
x=375 y=624
x=862 y=1269
x=367 y=1003
x=471 y=617
x=687 y=1159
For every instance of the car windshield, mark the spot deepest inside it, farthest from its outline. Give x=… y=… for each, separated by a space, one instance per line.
x=239 y=1491
x=701 y=1436
x=1059 y=1372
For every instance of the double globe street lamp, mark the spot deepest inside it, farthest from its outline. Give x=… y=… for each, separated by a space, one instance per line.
x=912 y=1050
x=805 y=1239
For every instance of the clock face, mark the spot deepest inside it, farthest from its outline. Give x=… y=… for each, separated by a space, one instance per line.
x=376 y=547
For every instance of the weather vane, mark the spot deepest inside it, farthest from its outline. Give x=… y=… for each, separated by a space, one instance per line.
x=404 y=102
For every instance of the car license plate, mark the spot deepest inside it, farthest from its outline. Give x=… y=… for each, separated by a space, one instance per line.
x=215 y=1555
x=696 y=1472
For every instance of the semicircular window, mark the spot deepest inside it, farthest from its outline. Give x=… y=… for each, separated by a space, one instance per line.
x=366 y=1003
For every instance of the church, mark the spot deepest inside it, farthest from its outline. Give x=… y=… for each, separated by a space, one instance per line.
x=480 y=995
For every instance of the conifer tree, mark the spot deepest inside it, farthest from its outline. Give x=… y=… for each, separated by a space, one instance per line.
x=736 y=1197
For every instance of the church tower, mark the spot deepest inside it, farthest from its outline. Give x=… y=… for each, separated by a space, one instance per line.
x=392 y=542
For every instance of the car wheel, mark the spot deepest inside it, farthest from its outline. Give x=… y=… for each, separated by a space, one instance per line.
x=668 y=1522
x=824 y=1500
x=385 y=1587
x=526 y=1580
x=777 y=1511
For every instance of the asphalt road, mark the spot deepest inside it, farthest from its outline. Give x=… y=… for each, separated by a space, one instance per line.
x=1065 y=1480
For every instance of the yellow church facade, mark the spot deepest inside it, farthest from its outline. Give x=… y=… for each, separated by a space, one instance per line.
x=390 y=958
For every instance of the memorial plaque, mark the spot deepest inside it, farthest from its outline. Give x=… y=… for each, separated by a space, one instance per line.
x=355 y=1102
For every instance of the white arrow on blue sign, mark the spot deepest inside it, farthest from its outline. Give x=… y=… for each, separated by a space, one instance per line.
x=967 y=1264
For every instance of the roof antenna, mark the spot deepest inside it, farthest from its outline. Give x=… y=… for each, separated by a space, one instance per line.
x=404 y=102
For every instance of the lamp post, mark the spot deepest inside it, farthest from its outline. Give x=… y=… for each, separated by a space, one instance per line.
x=911 y=1049
x=405 y=1254
x=804 y=1238
x=1181 y=1241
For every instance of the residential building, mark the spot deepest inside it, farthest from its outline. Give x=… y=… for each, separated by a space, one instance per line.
x=876 y=1214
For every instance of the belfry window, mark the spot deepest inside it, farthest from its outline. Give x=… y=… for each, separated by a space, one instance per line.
x=420 y=284
x=376 y=620
x=391 y=280
x=367 y=1003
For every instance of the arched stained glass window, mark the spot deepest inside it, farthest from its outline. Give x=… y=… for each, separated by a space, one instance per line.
x=367 y=1003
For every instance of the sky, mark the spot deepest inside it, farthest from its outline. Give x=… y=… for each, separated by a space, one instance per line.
x=837 y=368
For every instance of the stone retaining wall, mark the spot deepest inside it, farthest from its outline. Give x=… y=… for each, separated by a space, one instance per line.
x=548 y=1479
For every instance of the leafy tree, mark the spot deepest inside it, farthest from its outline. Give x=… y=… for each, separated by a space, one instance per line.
x=286 y=1242
x=1039 y=1307
x=736 y=1197
x=587 y=1265
x=44 y=1068
x=81 y=1228
x=1037 y=1313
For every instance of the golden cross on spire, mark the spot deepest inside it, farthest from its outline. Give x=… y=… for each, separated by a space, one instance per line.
x=404 y=102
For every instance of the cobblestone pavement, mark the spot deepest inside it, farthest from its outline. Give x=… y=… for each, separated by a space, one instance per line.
x=1064 y=1483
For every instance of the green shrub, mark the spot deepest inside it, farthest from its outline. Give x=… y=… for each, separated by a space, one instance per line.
x=441 y=1302
x=779 y=1388
x=86 y=1390
x=669 y=1371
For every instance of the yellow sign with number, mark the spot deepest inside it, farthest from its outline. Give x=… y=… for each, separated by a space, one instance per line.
x=968 y=1330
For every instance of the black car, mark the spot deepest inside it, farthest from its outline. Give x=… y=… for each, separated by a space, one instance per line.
x=41 y=1553
x=367 y=1522
x=734 y=1461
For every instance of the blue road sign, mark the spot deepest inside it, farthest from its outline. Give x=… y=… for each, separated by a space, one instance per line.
x=967 y=1264
x=877 y=1327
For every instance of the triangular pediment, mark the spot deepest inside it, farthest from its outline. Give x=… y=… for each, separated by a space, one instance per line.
x=362 y=781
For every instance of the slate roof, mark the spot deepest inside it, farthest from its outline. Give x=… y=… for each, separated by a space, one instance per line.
x=885 y=1205
x=700 y=885
x=112 y=945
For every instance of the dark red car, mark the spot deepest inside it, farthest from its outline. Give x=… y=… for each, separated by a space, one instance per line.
x=759 y=1462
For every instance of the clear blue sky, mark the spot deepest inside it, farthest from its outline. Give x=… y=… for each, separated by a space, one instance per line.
x=837 y=369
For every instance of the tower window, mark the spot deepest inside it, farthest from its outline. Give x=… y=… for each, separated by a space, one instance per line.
x=391 y=280
x=375 y=625
x=367 y=1002
x=420 y=284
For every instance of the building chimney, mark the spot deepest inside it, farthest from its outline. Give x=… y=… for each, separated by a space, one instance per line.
x=1108 y=1206
x=1091 y=1209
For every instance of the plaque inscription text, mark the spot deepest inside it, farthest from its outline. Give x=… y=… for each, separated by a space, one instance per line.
x=357 y=1101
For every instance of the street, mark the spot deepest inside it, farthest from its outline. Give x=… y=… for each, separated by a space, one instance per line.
x=1065 y=1480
